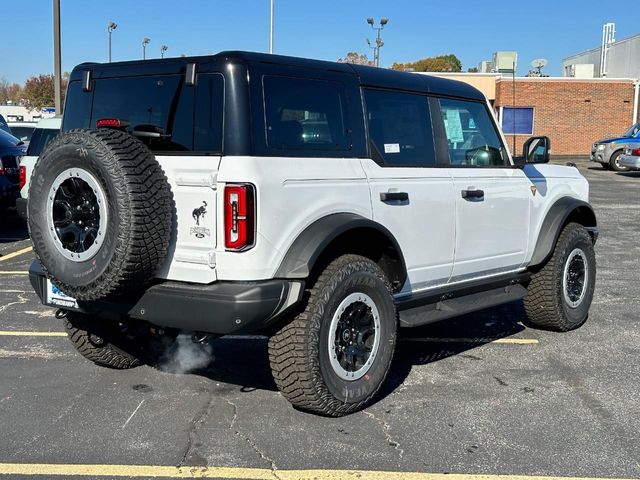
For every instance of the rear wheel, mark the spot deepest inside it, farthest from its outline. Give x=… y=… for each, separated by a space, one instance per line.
x=615 y=164
x=560 y=294
x=334 y=356
x=106 y=343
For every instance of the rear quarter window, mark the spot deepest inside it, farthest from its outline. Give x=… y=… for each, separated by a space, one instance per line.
x=305 y=115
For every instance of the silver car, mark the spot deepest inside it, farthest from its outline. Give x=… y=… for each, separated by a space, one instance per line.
x=631 y=158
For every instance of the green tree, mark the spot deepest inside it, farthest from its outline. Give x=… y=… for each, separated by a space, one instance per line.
x=38 y=91
x=357 y=58
x=440 y=63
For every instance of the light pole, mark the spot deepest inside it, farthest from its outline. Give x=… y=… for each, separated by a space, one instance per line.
x=271 y=27
x=145 y=42
x=379 y=42
x=111 y=27
x=163 y=49
x=57 y=70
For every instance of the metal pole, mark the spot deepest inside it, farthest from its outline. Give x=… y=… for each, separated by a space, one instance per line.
x=377 y=50
x=513 y=80
x=57 y=67
x=271 y=28
x=109 y=44
x=144 y=51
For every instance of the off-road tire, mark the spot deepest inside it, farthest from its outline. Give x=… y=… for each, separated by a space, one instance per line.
x=298 y=352
x=613 y=163
x=103 y=342
x=138 y=203
x=545 y=303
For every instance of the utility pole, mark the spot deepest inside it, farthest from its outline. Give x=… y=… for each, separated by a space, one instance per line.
x=111 y=27
x=271 y=27
x=379 y=43
x=145 y=42
x=163 y=49
x=57 y=67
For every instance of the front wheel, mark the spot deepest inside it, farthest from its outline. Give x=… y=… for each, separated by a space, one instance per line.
x=560 y=294
x=334 y=356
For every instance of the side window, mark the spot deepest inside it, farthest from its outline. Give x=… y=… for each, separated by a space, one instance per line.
x=472 y=138
x=399 y=128
x=209 y=113
x=305 y=115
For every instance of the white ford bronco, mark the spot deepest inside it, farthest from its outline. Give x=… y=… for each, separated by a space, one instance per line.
x=324 y=205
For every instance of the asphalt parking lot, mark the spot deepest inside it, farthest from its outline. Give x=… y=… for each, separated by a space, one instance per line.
x=483 y=394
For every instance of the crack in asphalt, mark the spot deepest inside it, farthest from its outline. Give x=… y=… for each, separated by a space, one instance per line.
x=385 y=430
x=250 y=442
x=191 y=451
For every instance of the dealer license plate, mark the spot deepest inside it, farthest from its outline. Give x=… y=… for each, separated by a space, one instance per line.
x=56 y=297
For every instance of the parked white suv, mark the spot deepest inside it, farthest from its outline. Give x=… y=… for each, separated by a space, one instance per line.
x=45 y=130
x=322 y=204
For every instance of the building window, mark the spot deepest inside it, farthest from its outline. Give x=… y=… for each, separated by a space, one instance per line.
x=517 y=120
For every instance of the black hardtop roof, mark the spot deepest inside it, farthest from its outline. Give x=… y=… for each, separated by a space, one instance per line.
x=369 y=76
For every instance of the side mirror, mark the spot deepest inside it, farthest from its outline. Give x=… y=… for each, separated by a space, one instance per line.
x=537 y=150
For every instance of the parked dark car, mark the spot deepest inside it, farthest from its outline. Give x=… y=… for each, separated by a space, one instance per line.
x=11 y=150
x=3 y=125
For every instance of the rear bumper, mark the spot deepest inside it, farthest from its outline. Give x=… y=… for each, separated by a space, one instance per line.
x=630 y=161
x=21 y=207
x=219 y=308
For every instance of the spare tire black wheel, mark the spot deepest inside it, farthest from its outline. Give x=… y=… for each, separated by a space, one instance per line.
x=100 y=213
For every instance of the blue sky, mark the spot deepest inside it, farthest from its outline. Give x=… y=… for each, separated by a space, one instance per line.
x=325 y=29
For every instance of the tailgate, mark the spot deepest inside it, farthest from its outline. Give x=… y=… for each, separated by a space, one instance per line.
x=191 y=253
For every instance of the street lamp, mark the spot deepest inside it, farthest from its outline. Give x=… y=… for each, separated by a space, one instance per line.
x=145 y=42
x=163 y=49
x=111 y=27
x=379 y=43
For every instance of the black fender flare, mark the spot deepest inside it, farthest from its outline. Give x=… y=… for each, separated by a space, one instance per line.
x=309 y=245
x=555 y=219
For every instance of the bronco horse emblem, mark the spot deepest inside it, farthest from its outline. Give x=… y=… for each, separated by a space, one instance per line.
x=199 y=212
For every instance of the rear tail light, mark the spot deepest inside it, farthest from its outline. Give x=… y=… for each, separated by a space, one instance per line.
x=635 y=152
x=239 y=216
x=1 y=168
x=22 y=176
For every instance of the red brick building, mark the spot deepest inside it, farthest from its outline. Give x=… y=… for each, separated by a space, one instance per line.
x=573 y=113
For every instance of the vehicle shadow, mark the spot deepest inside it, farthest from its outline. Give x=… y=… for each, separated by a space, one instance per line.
x=12 y=227
x=244 y=361
x=633 y=174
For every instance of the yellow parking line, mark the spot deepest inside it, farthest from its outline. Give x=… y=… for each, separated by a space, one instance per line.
x=150 y=471
x=10 y=333
x=14 y=272
x=514 y=341
x=15 y=254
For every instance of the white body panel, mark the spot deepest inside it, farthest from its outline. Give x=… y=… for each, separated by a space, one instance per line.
x=292 y=193
x=492 y=233
x=444 y=238
x=423 y=226
x=191 y=256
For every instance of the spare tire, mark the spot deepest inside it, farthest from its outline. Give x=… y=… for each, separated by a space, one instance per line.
x=100 y=213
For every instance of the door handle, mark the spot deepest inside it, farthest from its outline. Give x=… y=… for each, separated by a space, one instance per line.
x=473 y=193
x=391 y=196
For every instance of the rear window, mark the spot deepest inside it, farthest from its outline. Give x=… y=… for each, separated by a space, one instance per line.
x=159 y=110
x=304 y=114
x=40 y=138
